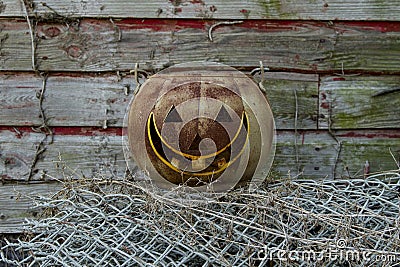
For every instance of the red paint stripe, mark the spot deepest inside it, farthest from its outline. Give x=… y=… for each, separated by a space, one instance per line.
x=376 y=133
x=161 y=24
x=83 y=74
x=380 y=26
x=371 y=134
x=117 y=131
x=339 y=79
x=258 y=24
x=175 y=24
x=87 y=131
x=82 y=131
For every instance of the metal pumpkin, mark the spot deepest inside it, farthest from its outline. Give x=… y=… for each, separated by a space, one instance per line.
x=203 y=125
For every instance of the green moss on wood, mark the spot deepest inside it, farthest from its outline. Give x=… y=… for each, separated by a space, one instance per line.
x=363 y=102
x=281 y=94
x=273 y=8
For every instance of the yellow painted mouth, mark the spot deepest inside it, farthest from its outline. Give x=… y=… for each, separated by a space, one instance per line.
x=151 y=127
x=194 y=156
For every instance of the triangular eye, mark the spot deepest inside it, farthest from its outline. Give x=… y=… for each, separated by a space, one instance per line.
x=223 y=115
x=173 y=115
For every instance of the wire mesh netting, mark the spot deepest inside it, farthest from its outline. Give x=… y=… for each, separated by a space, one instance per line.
x=291 y=222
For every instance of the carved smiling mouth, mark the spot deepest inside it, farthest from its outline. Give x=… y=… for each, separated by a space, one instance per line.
x=191 y=167
x=190 y=125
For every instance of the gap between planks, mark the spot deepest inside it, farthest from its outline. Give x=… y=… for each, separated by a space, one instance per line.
x=104 y=45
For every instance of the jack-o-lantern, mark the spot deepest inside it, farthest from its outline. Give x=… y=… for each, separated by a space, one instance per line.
x=201 y=124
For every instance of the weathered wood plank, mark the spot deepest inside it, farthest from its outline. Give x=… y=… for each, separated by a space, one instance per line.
x=360 y=102
x=19 y=104
x=217 y=9
x=317 y=154
x=381 y=149
x=100 y=45
x=290 y=94
x=85 y=152
x=10 y=8
x=17 y=204
x=82 y=100
x=78 y=153
x=15 y=45
x=309 y=154
x=69 y=100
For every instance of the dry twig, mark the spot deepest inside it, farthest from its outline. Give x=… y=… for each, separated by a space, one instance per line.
x=296 y=147
x=31 y=33
x=339 y=143
x=210 y=30
x=43 y=128
x=96 y=221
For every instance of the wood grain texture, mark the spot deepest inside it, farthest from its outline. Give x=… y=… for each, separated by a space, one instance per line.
x=70 y=155
x=285 y=92
x=19 y=104
x=15 y=45
x=381 y=149
x=360 y=102
x=217 y=9
x=100 y=45
x=309 y=154
x=88 y=100
x=69 y=100
x=17 y=204
x=10 y=8
x=101 y=156
x=75 y=41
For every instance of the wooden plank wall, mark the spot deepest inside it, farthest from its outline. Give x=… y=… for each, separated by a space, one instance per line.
x=334 y=82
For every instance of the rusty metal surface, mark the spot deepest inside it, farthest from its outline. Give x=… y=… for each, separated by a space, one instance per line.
x=201 y=125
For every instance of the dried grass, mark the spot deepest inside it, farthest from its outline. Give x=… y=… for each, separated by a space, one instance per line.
x=116 y=223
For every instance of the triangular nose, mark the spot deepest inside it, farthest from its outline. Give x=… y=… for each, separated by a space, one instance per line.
x=223 y=115
x=173 y=115
x=195 y=144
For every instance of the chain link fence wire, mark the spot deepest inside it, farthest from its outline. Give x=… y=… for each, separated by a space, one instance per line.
x=8 y=252
x=293 y=222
